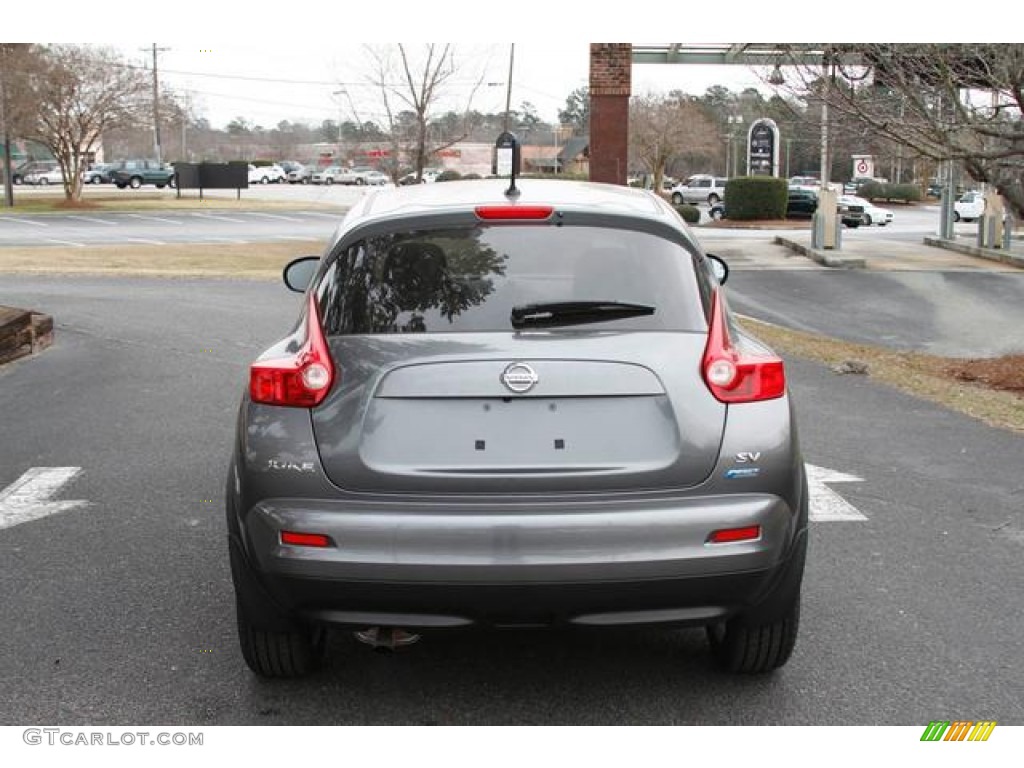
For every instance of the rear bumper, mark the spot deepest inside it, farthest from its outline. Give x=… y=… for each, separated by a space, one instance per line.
x=584 y=566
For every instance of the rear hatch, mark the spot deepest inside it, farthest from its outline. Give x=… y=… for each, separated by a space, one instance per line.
x=438 y=393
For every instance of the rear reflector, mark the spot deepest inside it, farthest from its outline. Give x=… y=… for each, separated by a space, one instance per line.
x=305 y=539
x=301 y=380
x=513 y=212
x=731 y=535
x=734 y=376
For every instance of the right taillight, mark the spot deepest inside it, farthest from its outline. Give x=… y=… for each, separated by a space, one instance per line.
x=301 y=380
x=732 y=375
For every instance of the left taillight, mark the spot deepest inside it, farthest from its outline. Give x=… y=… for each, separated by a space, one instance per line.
x=734 y=376
x=301 y=380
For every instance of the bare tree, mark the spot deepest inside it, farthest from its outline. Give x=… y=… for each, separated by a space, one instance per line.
x=79 y=93
x=662 y=128
x=411 y=85
x=946 y=102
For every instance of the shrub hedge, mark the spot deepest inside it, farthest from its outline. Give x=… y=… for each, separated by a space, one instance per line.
x=756 y=197
x=905 y=193
x=690 y=213
x=448 y=175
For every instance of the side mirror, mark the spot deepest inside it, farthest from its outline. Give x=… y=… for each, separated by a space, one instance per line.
x=719 y=267
x=299 y=273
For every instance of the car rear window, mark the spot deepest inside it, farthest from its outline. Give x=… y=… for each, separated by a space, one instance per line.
x=469 y=280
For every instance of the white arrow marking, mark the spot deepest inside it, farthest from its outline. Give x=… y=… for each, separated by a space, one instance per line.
x=28 y=497
x=826 y=504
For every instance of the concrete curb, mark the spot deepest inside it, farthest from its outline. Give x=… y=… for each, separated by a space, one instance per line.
x=825 y=258
x=23 y=332
x=991 y=254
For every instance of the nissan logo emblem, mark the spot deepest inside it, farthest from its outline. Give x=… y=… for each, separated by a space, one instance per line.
x=519 y=377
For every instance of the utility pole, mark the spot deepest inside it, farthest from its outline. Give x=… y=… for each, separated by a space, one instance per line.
x=8 y=165
x=156 y=105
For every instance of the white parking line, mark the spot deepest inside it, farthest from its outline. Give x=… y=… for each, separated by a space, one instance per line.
x=335 y=216
x=142 y=240
x=300 y=239
x=29 y=497
x=94 y=220
x=153 y=218
x=222 y=218
x=24 y=221
x=218 y=240
x=271 y=216
x=65 y=242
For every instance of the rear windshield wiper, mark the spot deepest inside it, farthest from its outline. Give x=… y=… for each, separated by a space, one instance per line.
x=556 y=313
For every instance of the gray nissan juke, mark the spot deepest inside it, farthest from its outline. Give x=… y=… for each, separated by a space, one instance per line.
x=515 y=407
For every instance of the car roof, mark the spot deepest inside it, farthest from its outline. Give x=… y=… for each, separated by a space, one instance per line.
x=466 y=195
x=451 y=200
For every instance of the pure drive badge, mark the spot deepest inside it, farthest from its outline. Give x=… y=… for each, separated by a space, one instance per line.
x=519 y=378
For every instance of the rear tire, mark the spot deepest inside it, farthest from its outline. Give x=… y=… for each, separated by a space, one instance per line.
x=757 y=648
x=867 y=220
x=677 y=199
x=713 y=198
x=762 y=639
x=135 y=182
x=956 y=216
x=288 y=654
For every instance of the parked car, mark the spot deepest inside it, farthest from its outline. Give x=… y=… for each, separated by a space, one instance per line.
x=804 y=182
x=803 y=202
x=44 y=177
x=852 y=187
x=289 y=165
x=266 y=174
x=428 y=177
x=135 y=173
x=700 y=188
x=872 y=214
x=334 y=174
x=301 y=175
x=373 y=178
x=514 y=411
x=969 y=207
x=100 y=173
x=32 y=167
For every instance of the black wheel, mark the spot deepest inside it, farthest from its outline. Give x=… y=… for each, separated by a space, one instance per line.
x=956 y=216
x=717 y=214
x=763 y=638
x=135 y=182
x=360 y=181
x=172 y=182
x=677 y=199
x=287 y=654
x=713 y=198
x=43 y=181
x=757 y=648
x=121 y=185
x=160 y=186
x=264 y=180
x=867 y=220
x=328 y=181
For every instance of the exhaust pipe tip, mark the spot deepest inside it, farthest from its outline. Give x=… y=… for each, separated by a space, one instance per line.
x=386 y=638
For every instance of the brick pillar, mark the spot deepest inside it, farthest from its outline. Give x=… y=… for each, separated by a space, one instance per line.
x=611 y=70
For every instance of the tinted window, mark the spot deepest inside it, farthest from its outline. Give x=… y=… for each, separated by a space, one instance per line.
x=468 y=280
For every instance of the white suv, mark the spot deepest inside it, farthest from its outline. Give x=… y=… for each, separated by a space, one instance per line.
x=701 y=188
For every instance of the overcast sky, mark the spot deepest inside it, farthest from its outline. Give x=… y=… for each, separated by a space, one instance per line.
x=268 y=61
x=296 y=82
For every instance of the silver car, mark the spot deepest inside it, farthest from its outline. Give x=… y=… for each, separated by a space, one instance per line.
x=515 y=410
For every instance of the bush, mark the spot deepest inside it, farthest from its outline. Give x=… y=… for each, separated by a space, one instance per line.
x=690 y=213
x=905 y=193
x=472 y=176
x=908 y=193
x=756 y=197
x=448 y=175
x=872 y=190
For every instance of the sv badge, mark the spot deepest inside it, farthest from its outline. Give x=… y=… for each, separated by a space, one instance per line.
x=748 y=457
